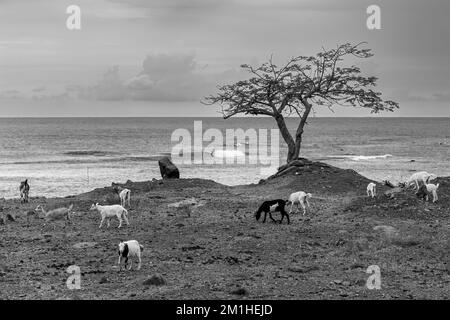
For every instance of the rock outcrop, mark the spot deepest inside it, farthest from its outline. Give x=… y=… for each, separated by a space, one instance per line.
x=168 y=169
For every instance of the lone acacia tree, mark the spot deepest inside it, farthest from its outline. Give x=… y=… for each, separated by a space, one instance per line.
x=300 y=85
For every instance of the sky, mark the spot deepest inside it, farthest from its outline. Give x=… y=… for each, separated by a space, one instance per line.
x=161 y=57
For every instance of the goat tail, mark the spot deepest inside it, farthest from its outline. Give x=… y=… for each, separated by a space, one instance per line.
x=71 y=207
x=142 y=247
x=125 y=212
x=437 y=186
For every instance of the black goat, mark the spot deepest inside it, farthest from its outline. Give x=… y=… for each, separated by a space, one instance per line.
x=272 y=206
x=24 y=190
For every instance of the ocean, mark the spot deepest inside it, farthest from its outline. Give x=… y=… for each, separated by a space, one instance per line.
x=66 y=156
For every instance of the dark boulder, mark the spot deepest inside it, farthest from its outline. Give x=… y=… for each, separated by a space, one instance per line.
x=168 y=169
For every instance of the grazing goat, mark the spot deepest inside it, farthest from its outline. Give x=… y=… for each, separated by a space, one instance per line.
x=371 y=190
x=55 y=214
x=108 y=212
x=432 y=188
x=130 y=249
x=272 y=206
x=124 y=195
x=422 y=176
x=24 y=190
x=301 y=198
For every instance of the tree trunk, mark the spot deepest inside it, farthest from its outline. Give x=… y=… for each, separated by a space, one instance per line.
x=299 y=132
x=294 y=146
x=286 y=136
x=296 y=151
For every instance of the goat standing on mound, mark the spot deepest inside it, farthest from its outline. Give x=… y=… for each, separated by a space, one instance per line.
x=124 y=195
x=432 y=188
x=24 y=190
x=371 y=190
x=107 y=212
x=418 y=177
x=427 y=190
x=130 y=249
x=272 y=206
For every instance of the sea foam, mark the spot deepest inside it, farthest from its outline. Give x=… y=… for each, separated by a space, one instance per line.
x=227 y=153
x=361 y=157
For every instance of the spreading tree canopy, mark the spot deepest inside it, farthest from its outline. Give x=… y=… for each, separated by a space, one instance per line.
x=303 y=83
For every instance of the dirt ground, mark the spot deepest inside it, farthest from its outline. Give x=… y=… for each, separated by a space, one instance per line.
x=217 y=250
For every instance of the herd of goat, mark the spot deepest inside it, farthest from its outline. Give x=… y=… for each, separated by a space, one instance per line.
x=127 y=249
x=132 y=249
x=420 y=180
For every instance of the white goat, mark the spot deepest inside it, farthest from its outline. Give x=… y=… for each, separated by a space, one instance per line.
x=371 y=190
x=432 y=188
x=423 y=176
x=55 y=214
x=301 y=198
x=124 y=195
x=130 y=249
x=108 y=212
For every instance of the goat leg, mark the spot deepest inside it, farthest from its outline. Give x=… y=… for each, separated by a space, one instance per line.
x=287 y=217
x=270 y=215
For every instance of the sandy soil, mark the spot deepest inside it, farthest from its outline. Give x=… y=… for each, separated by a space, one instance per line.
x=217 y=250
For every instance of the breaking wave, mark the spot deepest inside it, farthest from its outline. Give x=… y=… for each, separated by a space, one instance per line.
x=361 y=157
x=227 y=153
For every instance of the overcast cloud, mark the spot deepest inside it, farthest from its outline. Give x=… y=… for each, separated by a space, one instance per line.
x=176 y=51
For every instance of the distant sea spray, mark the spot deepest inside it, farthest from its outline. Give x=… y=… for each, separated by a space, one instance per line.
x=360 y=157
